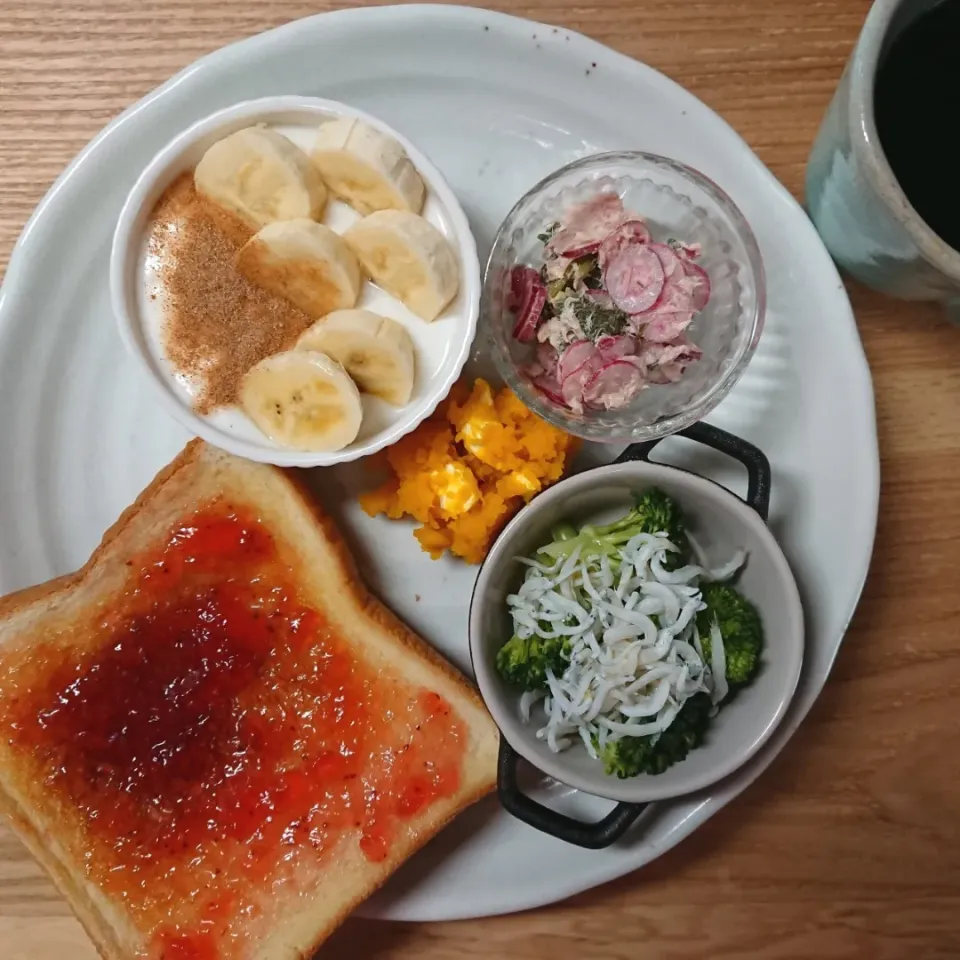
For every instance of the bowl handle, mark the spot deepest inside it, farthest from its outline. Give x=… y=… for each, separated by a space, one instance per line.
x=594 y=836
x=756 y=462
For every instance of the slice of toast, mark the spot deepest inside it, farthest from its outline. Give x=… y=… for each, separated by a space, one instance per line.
x=213 y=737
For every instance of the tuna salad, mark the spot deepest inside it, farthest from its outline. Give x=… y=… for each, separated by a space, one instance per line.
x=607 y=308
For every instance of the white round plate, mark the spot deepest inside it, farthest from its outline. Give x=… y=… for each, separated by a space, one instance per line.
x=139 y=299
x=496 y=103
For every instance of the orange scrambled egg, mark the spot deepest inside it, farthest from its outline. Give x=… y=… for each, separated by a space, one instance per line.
x=464 y=472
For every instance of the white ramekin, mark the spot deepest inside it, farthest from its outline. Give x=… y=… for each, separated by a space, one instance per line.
x=442 y=346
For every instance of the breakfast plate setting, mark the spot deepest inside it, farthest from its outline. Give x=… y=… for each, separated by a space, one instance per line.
x=535 y=487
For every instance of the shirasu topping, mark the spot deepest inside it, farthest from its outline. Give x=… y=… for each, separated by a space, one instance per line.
x=629 y=622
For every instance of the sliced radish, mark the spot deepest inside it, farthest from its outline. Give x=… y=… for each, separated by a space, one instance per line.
x=613 y=348
x=527 y=298
x=664 y=327
x=579 y=362
x=675 y=297
x=697 y=281
x=549 y=388
x=634 y=278
x=614 y=385
x=672 y=264
x=587 y=225
x=629 y=232
x=521 y=277
x=529 y=318
x=579 y=352
x=575 y=253
x=571 y=389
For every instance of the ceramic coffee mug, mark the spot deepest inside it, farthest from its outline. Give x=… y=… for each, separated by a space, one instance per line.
x=863 y=216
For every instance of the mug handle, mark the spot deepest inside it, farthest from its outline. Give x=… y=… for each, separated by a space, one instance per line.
x=615 y=824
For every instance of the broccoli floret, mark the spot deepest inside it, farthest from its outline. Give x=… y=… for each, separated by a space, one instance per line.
x=654 y=512
x=631 y=756
x=662 y=513
x=523 y=662
x=740 y=627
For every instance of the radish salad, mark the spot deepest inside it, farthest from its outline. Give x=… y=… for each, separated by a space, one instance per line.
x=607 y=308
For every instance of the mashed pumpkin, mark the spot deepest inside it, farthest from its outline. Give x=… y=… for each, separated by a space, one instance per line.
x=469 y=468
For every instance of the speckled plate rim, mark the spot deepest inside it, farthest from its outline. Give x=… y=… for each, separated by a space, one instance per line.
x=606 y=866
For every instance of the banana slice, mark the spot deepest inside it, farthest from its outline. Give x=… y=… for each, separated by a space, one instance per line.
x=260 y=176
x=306 y=263
x=366 y=168
x=376 y=351
x=408 y=257
x=303 y=399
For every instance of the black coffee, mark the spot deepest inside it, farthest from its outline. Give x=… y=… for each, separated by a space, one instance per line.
x=917 y=107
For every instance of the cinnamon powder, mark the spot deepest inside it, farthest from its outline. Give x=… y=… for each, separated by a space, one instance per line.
x=216 y=324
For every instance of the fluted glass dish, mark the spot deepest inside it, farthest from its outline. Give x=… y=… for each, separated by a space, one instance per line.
x=677 y=202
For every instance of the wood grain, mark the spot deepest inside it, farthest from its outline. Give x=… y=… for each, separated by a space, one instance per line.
x=849 y=847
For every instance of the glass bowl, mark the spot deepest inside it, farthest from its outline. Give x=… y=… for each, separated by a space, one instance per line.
x=677 y=202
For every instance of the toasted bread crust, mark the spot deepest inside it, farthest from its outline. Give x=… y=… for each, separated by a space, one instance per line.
x=107 y=938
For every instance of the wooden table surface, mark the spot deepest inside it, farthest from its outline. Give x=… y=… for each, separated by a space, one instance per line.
x=849 y=846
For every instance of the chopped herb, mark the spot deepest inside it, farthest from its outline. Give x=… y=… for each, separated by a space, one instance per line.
x=597 y=319
x=604 y=322
x=548 y=233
